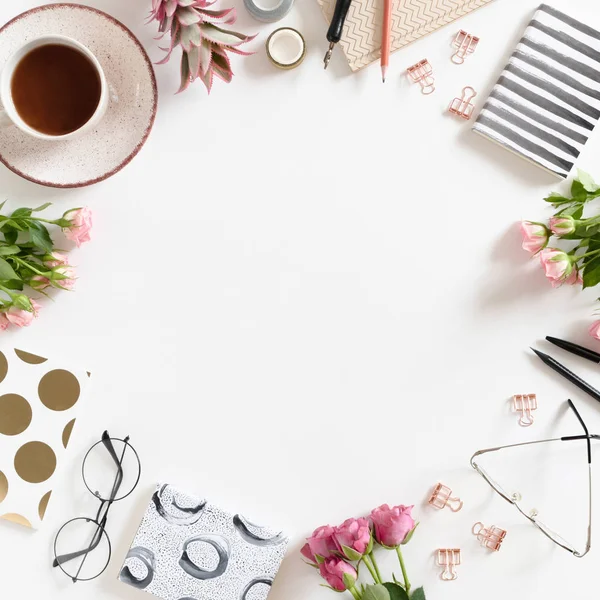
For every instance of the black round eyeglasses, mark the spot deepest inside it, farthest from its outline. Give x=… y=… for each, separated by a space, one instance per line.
x=111 y=470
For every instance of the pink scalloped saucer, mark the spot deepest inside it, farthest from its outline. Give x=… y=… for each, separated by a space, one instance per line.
x=128 y=120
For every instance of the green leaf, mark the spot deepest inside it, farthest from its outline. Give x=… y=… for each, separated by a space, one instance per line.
x=591 y=273
x=578 y=192
x=557 y=199
x=351 y=553
x=575 y=211
x=20 y=213
x=2 y=204
x=42 y=207
x=40 y=237
x=320 y=560
x=587 y=181
x=23 y=302
x=418 y=594
x=348 y=580
x=8 y=250
x=13 y=284
x=395 y=591
x=409 y=535
x=10 y=235
x=6 y=271
x=376 y=592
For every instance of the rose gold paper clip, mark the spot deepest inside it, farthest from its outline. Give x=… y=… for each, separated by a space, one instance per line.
x=422 y=73
x=525 y=404
x=489 y=537
x=465 y=43
x=463 y=107
x=441 y=497
x=448 y=558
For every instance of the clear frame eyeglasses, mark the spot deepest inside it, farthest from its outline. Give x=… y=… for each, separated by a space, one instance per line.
x=515 y=498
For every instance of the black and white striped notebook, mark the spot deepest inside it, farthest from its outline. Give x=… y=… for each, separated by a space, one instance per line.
x=547 y=100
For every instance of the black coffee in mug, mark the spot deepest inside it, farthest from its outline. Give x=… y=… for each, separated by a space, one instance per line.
x=56 y=89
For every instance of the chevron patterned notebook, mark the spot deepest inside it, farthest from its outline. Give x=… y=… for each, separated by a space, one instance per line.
x=412 y=19
x=547 y=100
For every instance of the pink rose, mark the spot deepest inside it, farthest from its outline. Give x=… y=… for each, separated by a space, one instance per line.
x=320 y=543
x=574 y=278
x=4 y=322
x=392 y=525
x=22 y=318
x=333 y=571
x=38 y=282
x=66 y=277
x=354 y=535
x=56 y=259
x=562 y=225
x=595 y=330
x=81 y=225
x=557 y=265
x=535 y=236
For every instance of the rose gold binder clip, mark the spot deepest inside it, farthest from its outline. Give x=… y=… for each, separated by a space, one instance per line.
x=422 y=73
x=463 y=107
x=465 y=43
x=449 y=558
x=442 y=497
x=489 y=537
x=525 y=404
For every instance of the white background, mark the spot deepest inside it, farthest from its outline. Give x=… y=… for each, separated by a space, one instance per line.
x=306 y=297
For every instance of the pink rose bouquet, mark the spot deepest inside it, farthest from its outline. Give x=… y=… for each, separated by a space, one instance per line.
x=338 y=552
x=579 y=262
x=28 y=259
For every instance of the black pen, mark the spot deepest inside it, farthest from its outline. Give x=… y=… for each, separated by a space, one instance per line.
x=567 y=374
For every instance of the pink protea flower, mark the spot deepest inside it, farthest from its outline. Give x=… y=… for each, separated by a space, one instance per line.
x=205 y=45
x=557 y=265
x=535 y=236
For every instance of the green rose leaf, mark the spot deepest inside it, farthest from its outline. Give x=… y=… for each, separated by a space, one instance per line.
x=320 y=560
x=395 y=591
x=20 y=213
x=557 y=199
x=8 y=250
x=376 y=592
x=42 y=207
x=40 y=237
x=351 y=553
x=10 y=234
x=6 y=271
x=578 y=191
x=418 y=594
x=587 y=181
x=13 y=284
x=591 y=273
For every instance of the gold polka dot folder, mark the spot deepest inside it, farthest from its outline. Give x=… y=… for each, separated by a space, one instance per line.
x=411 y=20
x=39 y=400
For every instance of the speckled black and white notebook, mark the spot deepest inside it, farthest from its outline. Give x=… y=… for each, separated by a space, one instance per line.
x=188 y=548
x=546 y=103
